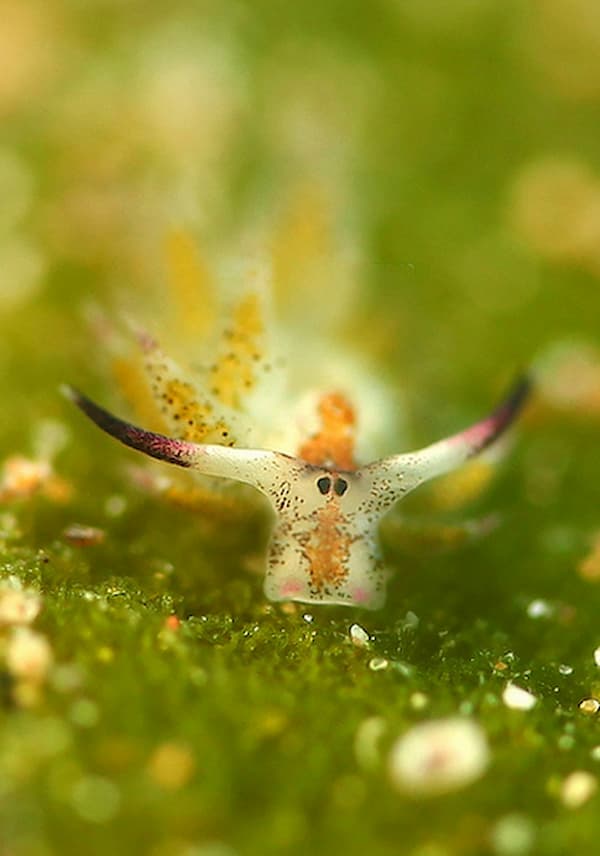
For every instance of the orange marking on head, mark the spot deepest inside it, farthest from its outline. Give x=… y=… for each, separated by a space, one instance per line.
x=333 y=445
x=328 y=548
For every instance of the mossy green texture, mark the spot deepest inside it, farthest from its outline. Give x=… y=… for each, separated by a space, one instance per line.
x=244 y=727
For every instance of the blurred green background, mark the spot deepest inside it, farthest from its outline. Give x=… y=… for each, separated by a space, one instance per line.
x=453 y=147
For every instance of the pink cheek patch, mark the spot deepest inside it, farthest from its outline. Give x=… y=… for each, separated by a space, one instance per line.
x=360 y=596
x=290 y=589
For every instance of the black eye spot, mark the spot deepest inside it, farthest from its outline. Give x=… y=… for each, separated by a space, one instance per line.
x=324 y=484
x=340 y=486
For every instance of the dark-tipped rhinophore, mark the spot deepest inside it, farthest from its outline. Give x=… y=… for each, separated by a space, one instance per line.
x=484 y=433
x=156 y=445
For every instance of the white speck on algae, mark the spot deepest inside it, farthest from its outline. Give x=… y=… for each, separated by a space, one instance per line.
x=539 y=609
x=18 y=605
x=577 y=788
x=359 y=636
x=589 y=706
x=28 y=655
x=518 y=698
x=378 y=664
x=439 y=756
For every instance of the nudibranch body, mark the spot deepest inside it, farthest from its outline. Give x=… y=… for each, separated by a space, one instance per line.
x=323 y=546
x=247 y=409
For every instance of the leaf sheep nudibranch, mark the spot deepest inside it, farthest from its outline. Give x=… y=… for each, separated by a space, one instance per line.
x=324 y=543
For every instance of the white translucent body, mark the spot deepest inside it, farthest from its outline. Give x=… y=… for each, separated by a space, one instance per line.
x=323 y=546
